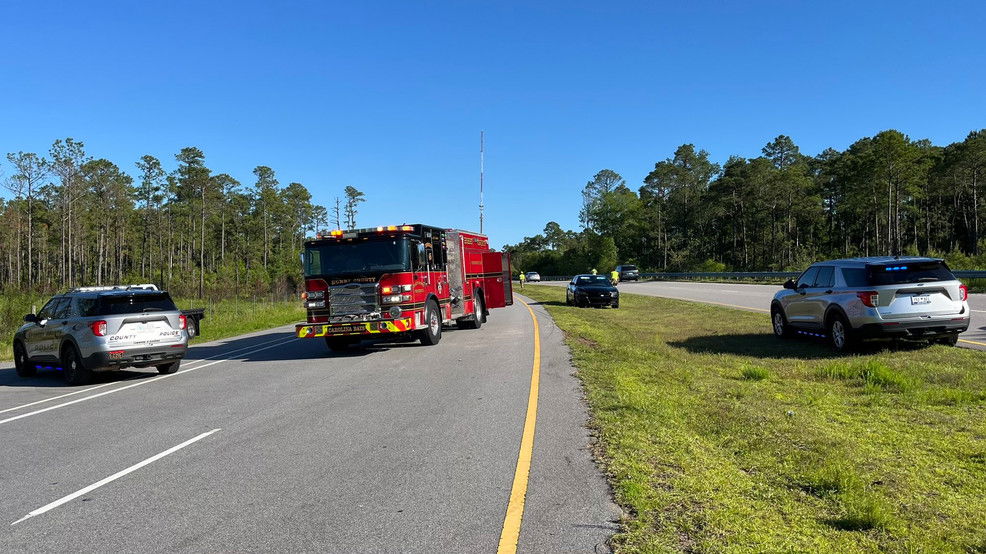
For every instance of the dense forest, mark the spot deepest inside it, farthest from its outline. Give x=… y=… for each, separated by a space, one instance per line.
x=885 y=194
x=73 y=220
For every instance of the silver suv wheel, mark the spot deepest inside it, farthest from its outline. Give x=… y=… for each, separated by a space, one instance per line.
x=837 y=332
x=778 y=324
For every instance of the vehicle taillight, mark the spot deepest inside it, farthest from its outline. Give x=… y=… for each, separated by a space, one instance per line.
x=182 y=322
x=869 y=298
x=963 y=293
x=98 y=328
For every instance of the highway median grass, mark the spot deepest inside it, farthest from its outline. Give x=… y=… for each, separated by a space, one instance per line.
x=718 y=437
x=228 y=318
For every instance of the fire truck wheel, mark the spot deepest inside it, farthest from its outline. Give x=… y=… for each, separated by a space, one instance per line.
x=433 y=333
x=482 y=308
x=479 y=317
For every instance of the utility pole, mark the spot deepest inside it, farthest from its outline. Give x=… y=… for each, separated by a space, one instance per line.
x=482 y=137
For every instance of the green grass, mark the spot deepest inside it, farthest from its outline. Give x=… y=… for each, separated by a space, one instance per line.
x=227 y=318
x=223 y=319
x=718 y=437
x=755 y=373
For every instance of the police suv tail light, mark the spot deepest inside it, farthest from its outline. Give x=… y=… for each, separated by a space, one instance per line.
x=869 y=298
x=98 y=328
x=963 y=293
x=182 y=322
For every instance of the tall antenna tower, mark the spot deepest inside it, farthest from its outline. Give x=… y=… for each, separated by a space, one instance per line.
x=482 y=152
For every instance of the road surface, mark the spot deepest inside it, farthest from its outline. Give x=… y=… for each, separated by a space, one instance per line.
x=267 y=443
x=757 y=298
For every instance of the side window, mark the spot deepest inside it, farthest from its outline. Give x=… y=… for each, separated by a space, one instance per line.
x=48 y=311
x=807 y=278
x=86 y=307
x=64 y=309
x=825 y=278
x=419 y=256
x=854 y=276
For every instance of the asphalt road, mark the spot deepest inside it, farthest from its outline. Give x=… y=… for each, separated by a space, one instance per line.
x=757 y=298
x=268 y=443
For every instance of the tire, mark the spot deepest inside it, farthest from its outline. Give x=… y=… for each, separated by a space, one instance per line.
x=478 y=318
x=74 y=369
x=616 y=304
x=568 y=300
x=168 y=369
x=950 y=340
x=22 y=363
x=192 y=327
x=338 y=344
x=840 y=334
x=433 y=332
x=483 y=312
x=779 y=323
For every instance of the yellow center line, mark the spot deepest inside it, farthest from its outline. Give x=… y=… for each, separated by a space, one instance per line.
x=973 y=342
x=518 y=493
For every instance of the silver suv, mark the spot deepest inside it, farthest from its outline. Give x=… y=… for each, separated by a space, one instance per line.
x=878 y=297
x=100 y=329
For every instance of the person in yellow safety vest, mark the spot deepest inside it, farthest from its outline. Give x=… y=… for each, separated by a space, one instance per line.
x=593 y=271
x=614 y=276
x=522 y=279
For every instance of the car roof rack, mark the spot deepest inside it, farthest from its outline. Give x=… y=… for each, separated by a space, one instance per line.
x=145 y=286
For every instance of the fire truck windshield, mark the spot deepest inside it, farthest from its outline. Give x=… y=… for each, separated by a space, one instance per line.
x=369 y=256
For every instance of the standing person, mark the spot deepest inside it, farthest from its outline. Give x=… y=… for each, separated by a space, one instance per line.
x=522 y=279
x=614 y=277
x=593 y=271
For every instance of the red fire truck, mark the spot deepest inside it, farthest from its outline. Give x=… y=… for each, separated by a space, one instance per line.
x=406 y=280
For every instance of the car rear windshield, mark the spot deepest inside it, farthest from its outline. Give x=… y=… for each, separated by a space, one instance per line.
x=118 y=304
x=629 y=268
x=907 y=272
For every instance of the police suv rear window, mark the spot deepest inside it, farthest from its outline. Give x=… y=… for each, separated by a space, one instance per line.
x=907 y=272
x=118 y=304
x=854 y=276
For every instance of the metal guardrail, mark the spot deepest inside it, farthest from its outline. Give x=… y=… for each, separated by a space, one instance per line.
x=779 y=276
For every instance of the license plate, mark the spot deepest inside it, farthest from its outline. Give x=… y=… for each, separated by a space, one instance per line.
x=924 y=299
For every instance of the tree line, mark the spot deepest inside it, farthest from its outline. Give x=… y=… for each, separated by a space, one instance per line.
x=883 y=195
x=72 y=220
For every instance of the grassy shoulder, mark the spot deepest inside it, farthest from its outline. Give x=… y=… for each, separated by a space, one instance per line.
x=717 y=437
x=225 y=318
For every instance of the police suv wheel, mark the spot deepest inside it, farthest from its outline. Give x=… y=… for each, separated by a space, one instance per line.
x=840 y=334
x=169 y=368
x=23 y=365
x=779 y=323
x=76 y=373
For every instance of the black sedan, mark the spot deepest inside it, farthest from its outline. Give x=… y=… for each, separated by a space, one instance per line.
x=592 y=290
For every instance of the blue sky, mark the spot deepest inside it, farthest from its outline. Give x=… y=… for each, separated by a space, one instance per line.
x=390 y=97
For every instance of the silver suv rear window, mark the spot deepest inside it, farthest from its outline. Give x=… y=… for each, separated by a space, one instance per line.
x=118 y=304
x=907 y=272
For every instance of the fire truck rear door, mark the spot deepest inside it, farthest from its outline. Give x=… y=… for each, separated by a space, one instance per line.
x=496 y=280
